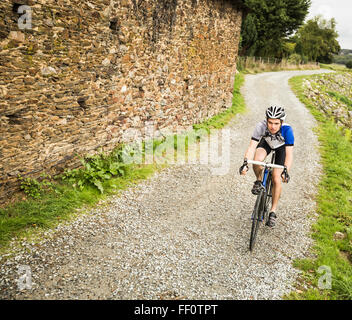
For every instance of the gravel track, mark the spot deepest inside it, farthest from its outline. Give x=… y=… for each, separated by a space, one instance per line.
x=183 y=234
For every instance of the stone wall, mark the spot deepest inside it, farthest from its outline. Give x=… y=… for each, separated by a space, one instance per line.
x=86 y=71
x=332 y=94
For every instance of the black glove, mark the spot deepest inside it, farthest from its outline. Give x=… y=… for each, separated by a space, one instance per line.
x=245 y=164
x=285 y=176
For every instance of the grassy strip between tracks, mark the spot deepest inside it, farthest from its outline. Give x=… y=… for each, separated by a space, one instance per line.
x=51 y=201
x=328 y=275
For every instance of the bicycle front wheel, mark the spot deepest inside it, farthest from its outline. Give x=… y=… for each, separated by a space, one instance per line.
x=256 y=219
x=267 y=197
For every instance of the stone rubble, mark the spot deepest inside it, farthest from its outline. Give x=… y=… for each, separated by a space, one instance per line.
x=317 y=88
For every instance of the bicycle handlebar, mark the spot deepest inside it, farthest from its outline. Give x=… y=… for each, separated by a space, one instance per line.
x=264 y=164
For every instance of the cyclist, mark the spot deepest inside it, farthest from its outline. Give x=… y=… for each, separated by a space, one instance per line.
x=271 y=134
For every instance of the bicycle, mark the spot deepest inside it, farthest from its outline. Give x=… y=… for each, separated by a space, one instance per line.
x=260 y=212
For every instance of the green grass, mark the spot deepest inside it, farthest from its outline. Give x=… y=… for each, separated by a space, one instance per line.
x=335 y=67
x=54 y=201
x=342 y=98
x=30 y=217
x=334 y=206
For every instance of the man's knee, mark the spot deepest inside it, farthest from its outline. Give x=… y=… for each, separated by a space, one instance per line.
x=260 y=154
x=276 y=178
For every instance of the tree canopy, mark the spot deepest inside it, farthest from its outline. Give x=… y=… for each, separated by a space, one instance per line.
x=269 y=23
x=317 y=40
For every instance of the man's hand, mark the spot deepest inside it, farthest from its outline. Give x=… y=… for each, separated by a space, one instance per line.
x=244 y=168
x=285 y=176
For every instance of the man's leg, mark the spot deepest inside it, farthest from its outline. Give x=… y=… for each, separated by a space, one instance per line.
x=276 y=190
x=260 y=155
x=277 y=187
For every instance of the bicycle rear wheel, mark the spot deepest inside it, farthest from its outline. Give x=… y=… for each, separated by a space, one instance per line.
x=256 y=219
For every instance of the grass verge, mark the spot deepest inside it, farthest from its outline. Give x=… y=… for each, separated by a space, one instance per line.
x=54 y=201
x=28 y=219
x=335 y=67
x=328 y=276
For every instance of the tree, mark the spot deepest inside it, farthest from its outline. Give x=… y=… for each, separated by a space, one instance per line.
x=317 y=40
x=269 y=23
x=289 y=48
x=249 y=36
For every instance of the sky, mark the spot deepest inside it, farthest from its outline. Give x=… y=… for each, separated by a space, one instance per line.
x=341 y=10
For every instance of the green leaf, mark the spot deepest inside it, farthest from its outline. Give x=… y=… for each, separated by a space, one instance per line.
x=99 y=185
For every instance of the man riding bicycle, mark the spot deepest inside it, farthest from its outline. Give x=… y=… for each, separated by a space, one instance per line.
x=271 y=134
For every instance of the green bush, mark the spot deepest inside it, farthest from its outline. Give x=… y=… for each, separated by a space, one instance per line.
x=295 y=58
x=349 y=64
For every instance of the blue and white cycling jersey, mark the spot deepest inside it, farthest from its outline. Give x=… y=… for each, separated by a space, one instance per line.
x=283 y=137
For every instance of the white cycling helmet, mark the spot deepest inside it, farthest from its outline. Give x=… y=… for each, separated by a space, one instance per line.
x=276 y=112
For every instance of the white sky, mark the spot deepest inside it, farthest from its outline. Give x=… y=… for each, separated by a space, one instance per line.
x=341 y=10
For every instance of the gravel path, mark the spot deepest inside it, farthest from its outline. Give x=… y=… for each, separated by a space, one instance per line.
x=183 y=234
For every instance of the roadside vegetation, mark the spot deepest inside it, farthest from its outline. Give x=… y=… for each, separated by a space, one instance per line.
x=328 y=274
x=257 y=64
x=335 y=67
x=278 y=30
x=344 y=58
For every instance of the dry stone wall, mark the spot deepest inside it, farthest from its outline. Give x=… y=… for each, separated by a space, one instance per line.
x=75 y=75
x=332 y=94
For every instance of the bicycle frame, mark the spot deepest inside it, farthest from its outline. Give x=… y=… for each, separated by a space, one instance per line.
x=260 y=208
x=268 y=166
x=265 y=177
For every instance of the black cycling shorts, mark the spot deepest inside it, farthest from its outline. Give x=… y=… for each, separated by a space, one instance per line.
x=280 y=153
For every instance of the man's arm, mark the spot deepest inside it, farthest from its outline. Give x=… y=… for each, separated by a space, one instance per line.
x=251 y=150
x=249 y=155
x=256 y=136
x=289 y=157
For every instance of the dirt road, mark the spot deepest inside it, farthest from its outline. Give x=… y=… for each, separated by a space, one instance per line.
x=184 y=233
